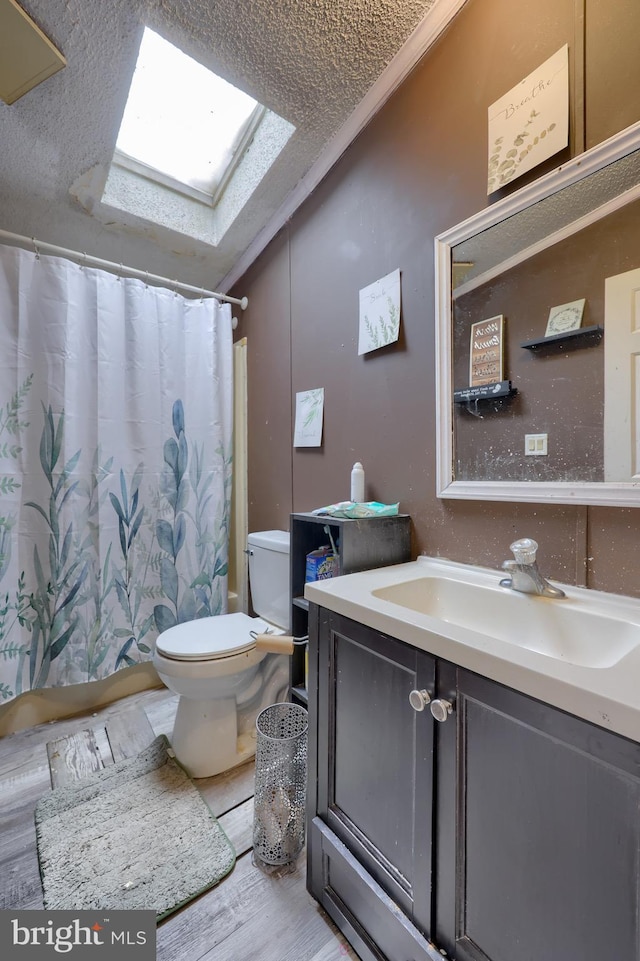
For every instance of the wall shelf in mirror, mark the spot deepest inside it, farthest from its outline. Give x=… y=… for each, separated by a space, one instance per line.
x=573 y=233
x=585 y=336
x=484 y=392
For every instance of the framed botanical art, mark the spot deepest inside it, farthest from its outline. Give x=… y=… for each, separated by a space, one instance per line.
x=529 y=123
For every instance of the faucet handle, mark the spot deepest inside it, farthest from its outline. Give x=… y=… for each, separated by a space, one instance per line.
x=524 y=550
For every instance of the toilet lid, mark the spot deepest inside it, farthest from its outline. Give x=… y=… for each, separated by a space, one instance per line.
x=210 y=637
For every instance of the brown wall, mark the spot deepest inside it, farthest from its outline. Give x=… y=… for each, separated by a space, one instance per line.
x=269 y=389
x=419 y=168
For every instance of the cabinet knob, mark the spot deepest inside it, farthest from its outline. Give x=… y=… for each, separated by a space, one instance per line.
x=441 y=709
x=419 y=700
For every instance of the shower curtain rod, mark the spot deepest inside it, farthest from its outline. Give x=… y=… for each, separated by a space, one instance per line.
x=86 y=259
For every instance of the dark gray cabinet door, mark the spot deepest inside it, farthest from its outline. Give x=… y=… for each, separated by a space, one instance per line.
x=375 y=775
x=539 y=831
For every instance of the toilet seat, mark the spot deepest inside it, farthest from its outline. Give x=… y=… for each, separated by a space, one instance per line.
x=211 y=638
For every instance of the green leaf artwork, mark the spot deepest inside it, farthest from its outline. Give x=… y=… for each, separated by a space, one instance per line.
x=379 y=313
x=309 y=418
x=530 y=123
x=505 y=167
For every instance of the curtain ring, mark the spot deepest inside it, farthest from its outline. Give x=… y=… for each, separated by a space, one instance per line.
x=175 y=287
x=202 y=295
x=35 y=248
x=146 y=283
x=83 y=265
x=120 y=273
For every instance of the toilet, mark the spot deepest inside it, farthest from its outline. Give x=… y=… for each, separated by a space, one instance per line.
x=222 y=680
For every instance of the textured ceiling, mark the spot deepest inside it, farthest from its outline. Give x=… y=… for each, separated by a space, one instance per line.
x=310 y=61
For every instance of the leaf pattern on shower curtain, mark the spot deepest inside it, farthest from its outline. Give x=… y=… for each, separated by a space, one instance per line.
x=12 y=609
x=66 y=606
x=116 y=413
x=199 y=594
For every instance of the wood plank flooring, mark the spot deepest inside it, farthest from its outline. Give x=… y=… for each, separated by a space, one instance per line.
x=249 y=916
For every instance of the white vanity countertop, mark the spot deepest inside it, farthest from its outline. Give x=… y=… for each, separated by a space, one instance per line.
x=608 y=694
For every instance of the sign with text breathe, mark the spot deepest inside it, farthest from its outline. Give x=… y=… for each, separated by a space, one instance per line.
x=485 y=356
x=530 y=123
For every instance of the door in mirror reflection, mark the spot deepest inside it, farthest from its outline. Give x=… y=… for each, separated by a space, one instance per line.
x=622 y=377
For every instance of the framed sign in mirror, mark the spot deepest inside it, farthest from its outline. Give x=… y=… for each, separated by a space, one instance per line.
x=570 y=240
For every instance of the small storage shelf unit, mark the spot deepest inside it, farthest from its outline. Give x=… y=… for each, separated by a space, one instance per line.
x=361 y=544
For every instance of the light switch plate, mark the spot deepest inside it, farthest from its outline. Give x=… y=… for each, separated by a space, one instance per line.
x=535 y=445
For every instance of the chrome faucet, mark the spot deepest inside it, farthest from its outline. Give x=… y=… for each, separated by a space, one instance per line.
x=525 y=576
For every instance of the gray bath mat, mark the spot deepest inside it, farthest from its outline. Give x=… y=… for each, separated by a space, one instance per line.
x=137 y=834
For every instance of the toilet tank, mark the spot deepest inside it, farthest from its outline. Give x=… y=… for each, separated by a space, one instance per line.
x=269 y=576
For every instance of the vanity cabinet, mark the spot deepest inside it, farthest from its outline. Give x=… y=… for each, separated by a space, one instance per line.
x=371 y=827
x=508 y=832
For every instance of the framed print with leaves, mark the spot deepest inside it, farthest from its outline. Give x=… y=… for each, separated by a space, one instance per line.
x=529 y=123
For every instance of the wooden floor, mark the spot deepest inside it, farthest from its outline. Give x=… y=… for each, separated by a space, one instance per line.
x=249 y=916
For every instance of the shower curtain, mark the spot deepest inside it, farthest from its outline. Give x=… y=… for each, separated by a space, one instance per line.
x=115 y=468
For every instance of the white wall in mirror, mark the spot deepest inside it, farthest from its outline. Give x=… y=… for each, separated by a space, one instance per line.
x=529 y=221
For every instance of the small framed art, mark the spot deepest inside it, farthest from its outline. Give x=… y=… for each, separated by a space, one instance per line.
x=486 y=351
x=565 y=317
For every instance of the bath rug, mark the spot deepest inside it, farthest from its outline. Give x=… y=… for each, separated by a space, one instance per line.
x=137 y=834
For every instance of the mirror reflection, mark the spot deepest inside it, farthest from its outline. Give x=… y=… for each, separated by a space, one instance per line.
x=563 y=424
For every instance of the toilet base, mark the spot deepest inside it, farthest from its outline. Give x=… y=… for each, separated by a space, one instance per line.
x=205 y=737
x=213 y=734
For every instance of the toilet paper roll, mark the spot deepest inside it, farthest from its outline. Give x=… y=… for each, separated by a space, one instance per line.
x=275 y=643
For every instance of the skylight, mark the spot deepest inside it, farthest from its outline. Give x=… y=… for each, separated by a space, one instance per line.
x=182 y=124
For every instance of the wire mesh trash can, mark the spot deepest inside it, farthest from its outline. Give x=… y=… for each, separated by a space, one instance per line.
x=280 y=785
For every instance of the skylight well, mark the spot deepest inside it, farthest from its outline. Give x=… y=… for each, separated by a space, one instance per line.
x=183 y=126
x=192 y=153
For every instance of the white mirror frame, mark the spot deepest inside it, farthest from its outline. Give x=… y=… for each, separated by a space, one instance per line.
x=562 y=492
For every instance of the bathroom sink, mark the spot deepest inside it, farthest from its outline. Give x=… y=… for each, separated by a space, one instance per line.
x=579 y=652
x=560 y=628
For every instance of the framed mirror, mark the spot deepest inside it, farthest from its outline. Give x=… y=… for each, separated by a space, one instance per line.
x=538 y=371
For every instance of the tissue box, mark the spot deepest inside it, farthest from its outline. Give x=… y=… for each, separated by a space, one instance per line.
x=321 y=563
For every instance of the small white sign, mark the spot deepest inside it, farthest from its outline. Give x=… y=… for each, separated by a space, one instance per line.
x=309 y=417
x=565 y=317
x=530 y=123
x=379 y=313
